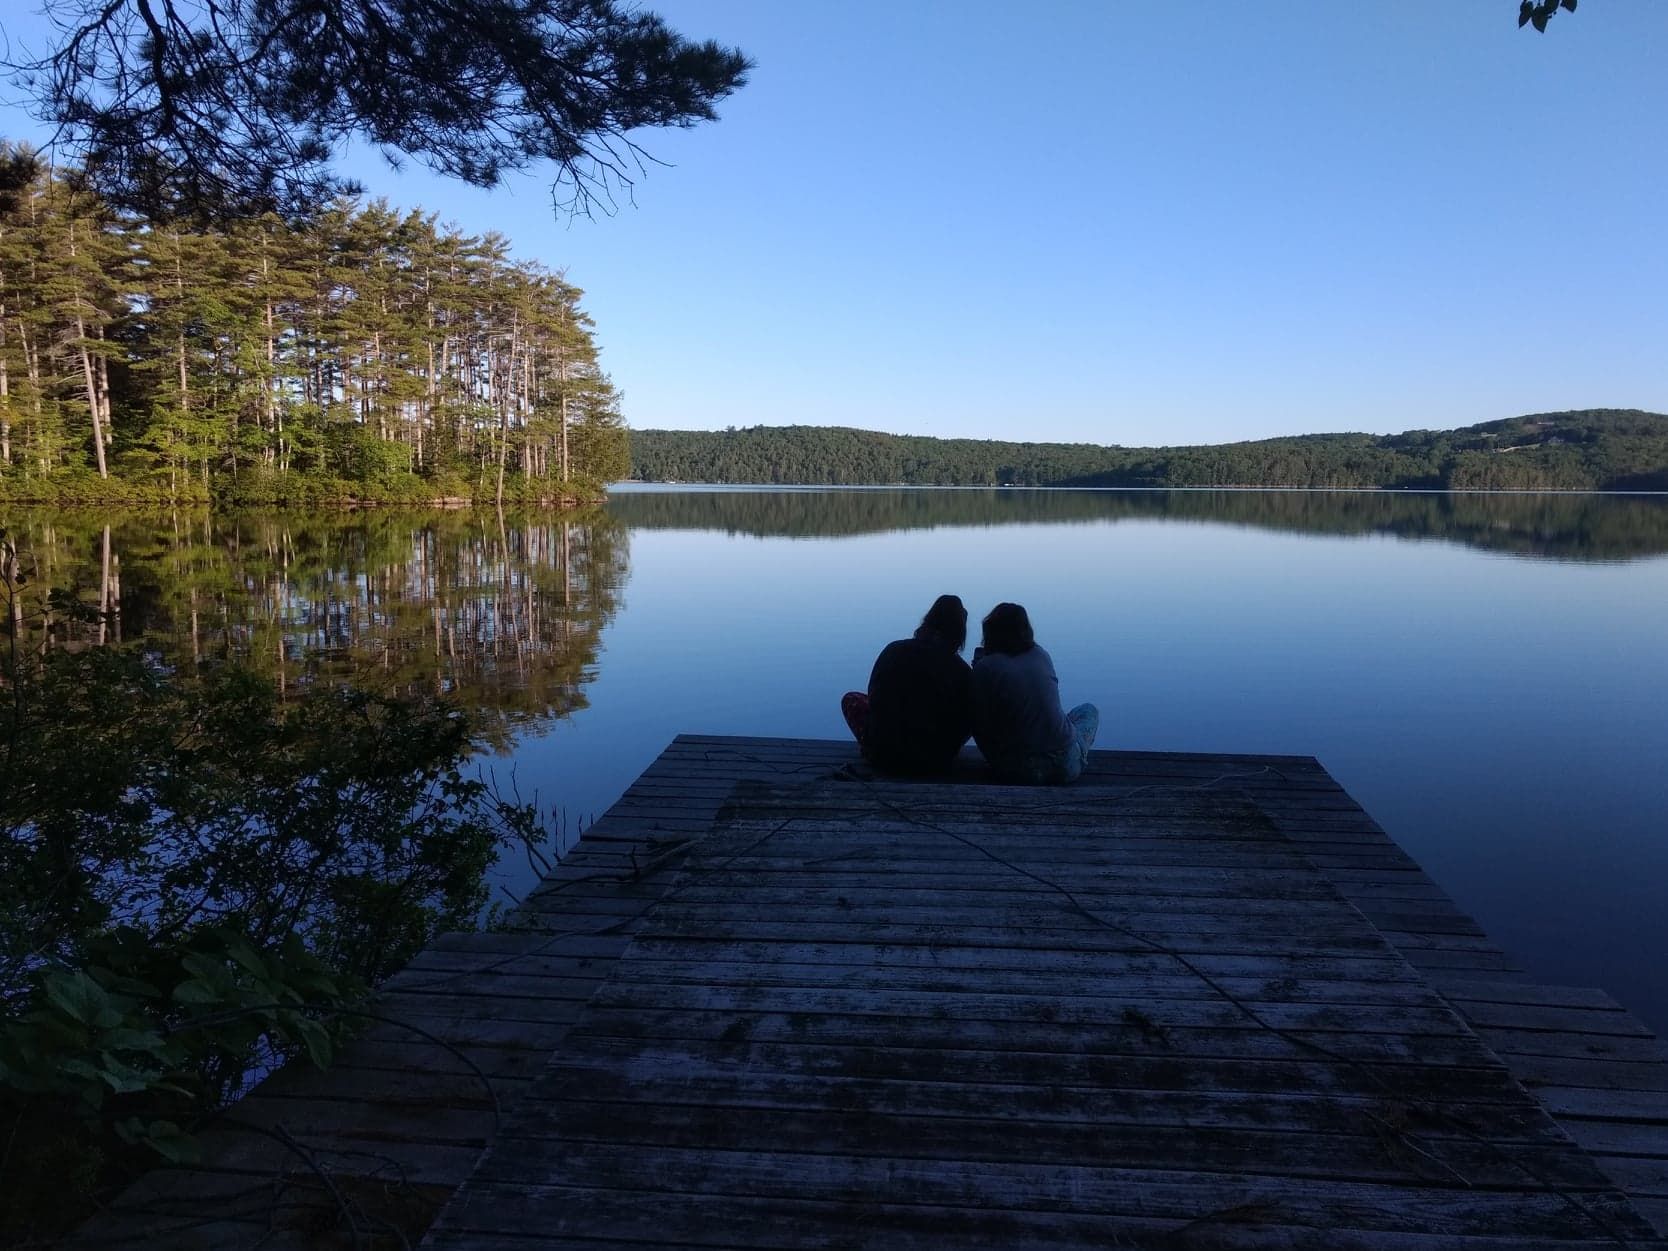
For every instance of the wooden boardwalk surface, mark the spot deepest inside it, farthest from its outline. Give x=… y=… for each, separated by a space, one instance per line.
x=770 y=1001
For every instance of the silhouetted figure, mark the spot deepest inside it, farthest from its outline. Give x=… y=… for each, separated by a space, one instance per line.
x=1017 y=720
x=916 y=715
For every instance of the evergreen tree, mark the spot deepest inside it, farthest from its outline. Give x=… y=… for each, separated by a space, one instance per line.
x=363 y=353
x=1602 y=449
x=238 y=107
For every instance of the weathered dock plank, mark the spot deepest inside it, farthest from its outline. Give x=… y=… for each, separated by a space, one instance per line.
x=902 y=987
x=798 y=1091
x=403 y=1116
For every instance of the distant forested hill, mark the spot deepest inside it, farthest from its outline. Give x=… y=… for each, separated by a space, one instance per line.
x=1592 y=449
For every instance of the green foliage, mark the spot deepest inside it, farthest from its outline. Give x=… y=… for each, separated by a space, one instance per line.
x=108 y=1066
x=1539 y=12
x=1600 y=449
x=20 y=165
x=361 y=356
x=341 y=816
x=146 y=1029
x=198 y=881
x=239 y=108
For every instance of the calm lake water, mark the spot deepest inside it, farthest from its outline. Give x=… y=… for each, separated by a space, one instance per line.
x=1487 y=674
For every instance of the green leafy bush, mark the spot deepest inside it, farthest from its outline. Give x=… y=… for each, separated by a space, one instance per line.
x=199 y=880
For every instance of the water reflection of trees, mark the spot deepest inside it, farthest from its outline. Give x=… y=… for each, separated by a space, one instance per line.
x=1547 y=526
x=502 y=613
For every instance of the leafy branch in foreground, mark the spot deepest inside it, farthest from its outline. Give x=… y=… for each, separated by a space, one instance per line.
x=199 y=881
x=226 y=108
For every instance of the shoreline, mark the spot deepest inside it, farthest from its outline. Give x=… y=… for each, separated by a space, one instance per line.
x=631 y=484
x=444 y=503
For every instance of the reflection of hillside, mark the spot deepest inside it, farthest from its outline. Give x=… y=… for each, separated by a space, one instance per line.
x=1558 y=527
x=504 y=615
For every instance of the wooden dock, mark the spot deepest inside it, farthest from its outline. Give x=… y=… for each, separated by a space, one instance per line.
x=774 y=1001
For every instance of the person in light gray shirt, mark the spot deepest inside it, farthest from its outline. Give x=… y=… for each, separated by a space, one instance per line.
x=1017 y=721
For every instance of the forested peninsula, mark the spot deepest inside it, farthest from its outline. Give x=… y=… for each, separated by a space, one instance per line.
x=364 y=355
x=1586 y=450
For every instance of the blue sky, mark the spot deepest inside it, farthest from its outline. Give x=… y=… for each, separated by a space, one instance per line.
x=1130 y=223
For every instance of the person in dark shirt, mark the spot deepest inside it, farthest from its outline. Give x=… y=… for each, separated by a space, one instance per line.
x=1017 y=720
x=916 y=714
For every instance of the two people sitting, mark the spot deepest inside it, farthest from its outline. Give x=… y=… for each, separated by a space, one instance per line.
x=924 y=701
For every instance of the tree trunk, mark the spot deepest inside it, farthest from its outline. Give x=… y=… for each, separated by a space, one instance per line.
x=102 y=369
x=375 y=384
x=185 y=384
x=276 y=452
x=5 y=401
x=527 y=416
x=5 y=396
x=179 y=343
x=32 y=366
x=562 y=364
x=92 y=394
x=503 y=444
x=94 y=402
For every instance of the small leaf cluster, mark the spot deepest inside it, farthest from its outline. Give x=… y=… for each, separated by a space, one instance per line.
x=141 y=1039
x=1538 y=13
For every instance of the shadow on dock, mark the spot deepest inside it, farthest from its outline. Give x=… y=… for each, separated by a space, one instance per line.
x=774 y=1001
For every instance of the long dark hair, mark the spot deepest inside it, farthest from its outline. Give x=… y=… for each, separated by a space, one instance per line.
x=1008 y=629
x=946 y=620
